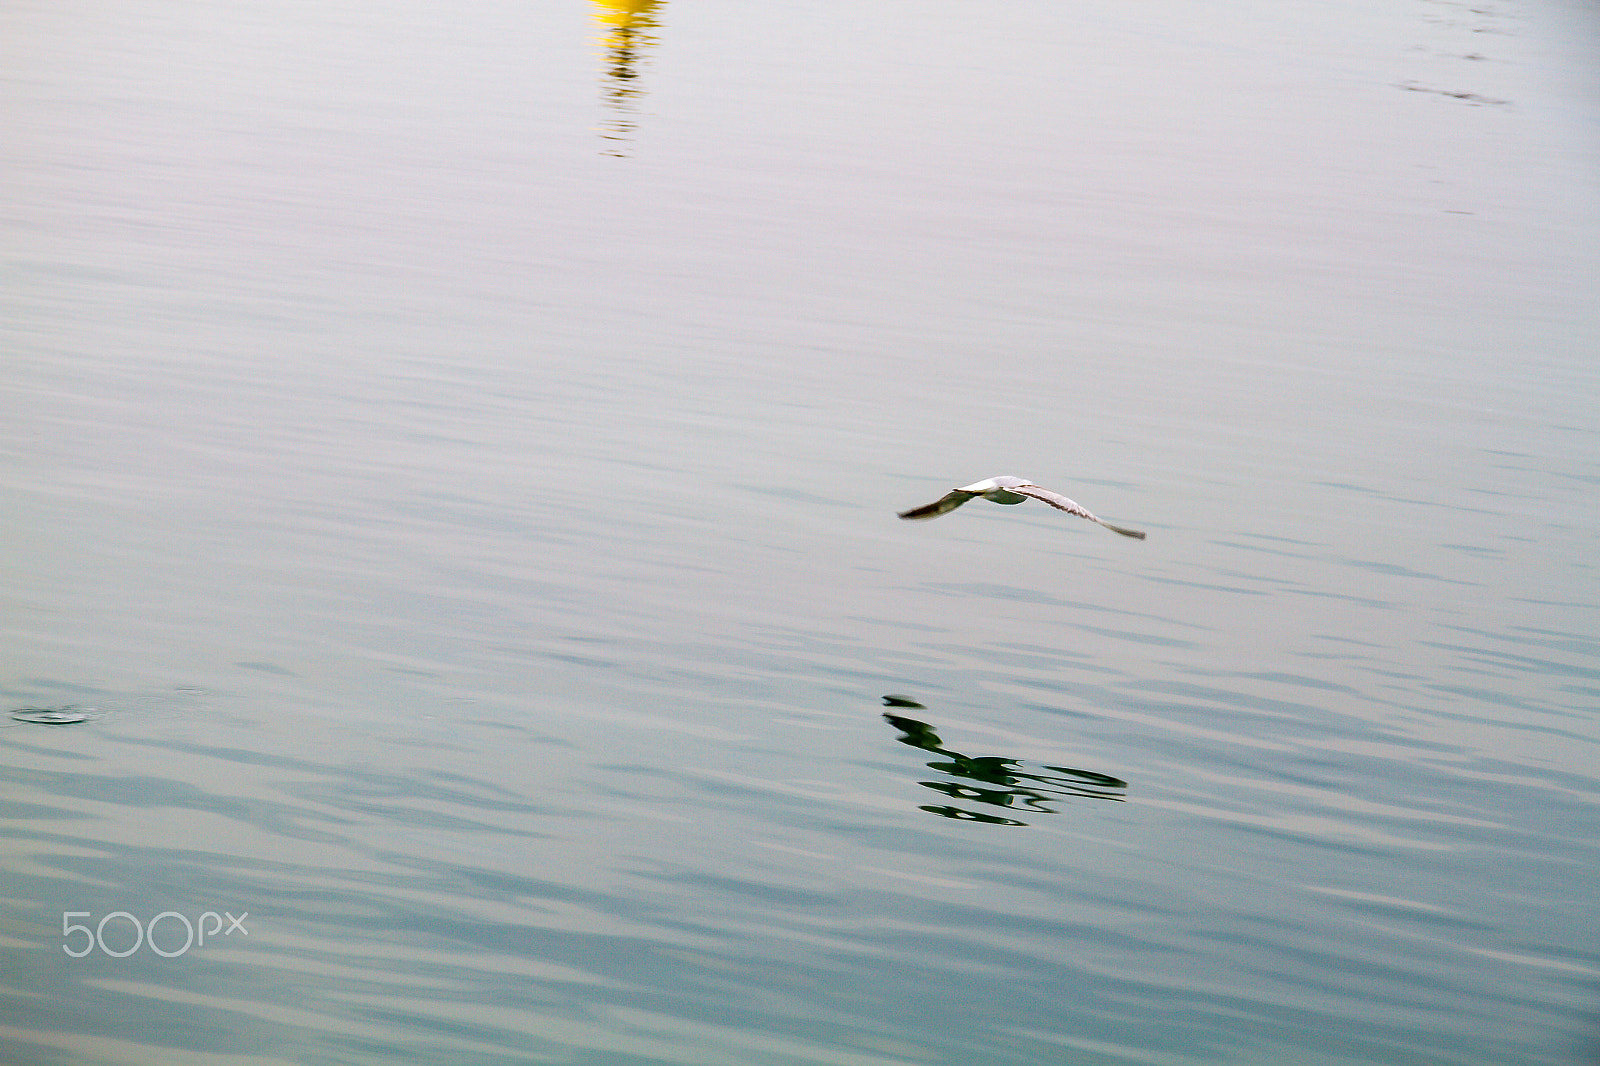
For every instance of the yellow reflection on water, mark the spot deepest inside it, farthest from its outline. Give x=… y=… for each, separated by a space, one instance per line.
x=627 y=34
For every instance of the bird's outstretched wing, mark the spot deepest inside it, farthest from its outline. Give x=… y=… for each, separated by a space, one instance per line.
x=1061 y=503
x=944 y=505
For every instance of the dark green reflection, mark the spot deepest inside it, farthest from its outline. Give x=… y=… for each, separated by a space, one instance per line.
x=50 y=715
x=996 y=782
x=627 y=34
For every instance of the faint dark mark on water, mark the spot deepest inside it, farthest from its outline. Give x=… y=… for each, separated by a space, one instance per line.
x=268 y=668
x=995 y=781
x=794 y=494
x=50 y=715
x=1011 y=593
x=1395 y=570
x=1471 y=98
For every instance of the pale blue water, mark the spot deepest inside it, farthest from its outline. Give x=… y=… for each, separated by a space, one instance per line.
x=450 y=467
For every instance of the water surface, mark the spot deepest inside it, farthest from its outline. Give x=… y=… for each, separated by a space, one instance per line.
x=451 y=461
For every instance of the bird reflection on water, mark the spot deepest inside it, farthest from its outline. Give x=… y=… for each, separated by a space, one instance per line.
x=994 y=781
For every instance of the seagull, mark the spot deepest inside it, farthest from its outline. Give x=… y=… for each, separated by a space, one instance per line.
x=1008 y=490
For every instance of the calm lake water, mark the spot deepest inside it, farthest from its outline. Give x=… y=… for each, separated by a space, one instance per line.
x=452 y=580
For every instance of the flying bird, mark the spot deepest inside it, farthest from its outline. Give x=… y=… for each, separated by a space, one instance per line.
x=1009 y=490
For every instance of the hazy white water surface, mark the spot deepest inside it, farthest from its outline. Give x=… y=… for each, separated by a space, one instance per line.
x=451 y=461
